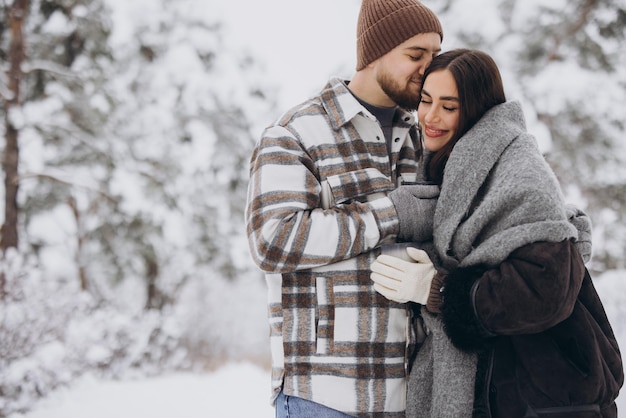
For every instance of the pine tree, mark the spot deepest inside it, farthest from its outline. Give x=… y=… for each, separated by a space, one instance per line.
x=64 y=109
x=182 y=141
x=583 y=43
x=139 y=151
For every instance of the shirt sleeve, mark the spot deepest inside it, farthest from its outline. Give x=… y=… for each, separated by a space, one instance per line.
x=286 y=226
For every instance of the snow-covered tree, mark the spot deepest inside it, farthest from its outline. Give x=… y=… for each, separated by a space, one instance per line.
x=60 y=120
x=183 y=135
x=135 y=140
x=134 y=153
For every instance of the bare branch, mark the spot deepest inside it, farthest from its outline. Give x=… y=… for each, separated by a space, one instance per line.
x=57 y=179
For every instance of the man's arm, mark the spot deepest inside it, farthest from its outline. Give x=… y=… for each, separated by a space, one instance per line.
x=287 y=228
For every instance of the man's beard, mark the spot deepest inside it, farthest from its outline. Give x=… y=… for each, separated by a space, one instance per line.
x=402 y=97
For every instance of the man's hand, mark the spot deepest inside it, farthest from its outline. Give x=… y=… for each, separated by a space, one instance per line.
x=415 y=206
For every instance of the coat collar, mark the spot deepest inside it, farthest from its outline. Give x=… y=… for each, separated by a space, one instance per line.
x=342 y=106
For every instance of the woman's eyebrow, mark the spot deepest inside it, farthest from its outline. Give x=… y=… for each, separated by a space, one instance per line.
x=449 y=98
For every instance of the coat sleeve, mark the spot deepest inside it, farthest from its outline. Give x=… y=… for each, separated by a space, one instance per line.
x=535 y=288
x=287 y=228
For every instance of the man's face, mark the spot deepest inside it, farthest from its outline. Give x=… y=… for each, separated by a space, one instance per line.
x=399 y=72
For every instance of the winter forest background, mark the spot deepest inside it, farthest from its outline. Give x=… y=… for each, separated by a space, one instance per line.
x=127 y=126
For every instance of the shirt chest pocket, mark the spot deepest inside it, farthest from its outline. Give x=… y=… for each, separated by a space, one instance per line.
x=363 y=185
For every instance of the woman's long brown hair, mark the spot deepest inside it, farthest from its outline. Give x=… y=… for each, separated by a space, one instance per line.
x=480 y=88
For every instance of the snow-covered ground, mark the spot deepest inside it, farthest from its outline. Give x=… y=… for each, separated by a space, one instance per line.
x=236 y=390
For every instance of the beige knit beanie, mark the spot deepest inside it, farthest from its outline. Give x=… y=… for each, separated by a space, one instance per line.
x=385 y=24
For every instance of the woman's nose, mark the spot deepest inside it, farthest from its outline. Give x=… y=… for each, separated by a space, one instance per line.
x=431 y=116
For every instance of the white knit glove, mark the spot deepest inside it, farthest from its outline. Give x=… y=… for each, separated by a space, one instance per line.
x=403 y=281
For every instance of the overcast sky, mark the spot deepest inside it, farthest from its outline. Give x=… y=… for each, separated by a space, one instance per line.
x=301 y=43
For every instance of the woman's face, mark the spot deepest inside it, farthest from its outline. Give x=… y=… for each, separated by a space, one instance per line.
x=438 y=112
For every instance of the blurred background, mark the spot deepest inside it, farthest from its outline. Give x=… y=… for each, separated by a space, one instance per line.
x=127 y=127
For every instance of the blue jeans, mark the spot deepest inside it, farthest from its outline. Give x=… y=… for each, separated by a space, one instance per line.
x=292 y=407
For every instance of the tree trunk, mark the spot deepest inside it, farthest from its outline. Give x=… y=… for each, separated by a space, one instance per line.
x=154 y=298
x=10 y=163
x=80 y=244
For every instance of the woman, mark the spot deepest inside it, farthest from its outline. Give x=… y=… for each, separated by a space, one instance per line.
x=516 y=328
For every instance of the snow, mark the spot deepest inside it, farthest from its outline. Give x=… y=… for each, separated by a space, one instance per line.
x=233 y=391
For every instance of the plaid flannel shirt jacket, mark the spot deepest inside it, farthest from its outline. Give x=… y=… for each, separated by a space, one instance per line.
x=334 y=339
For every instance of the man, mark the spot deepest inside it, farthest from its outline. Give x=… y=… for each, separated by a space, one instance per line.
x=317 y=215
